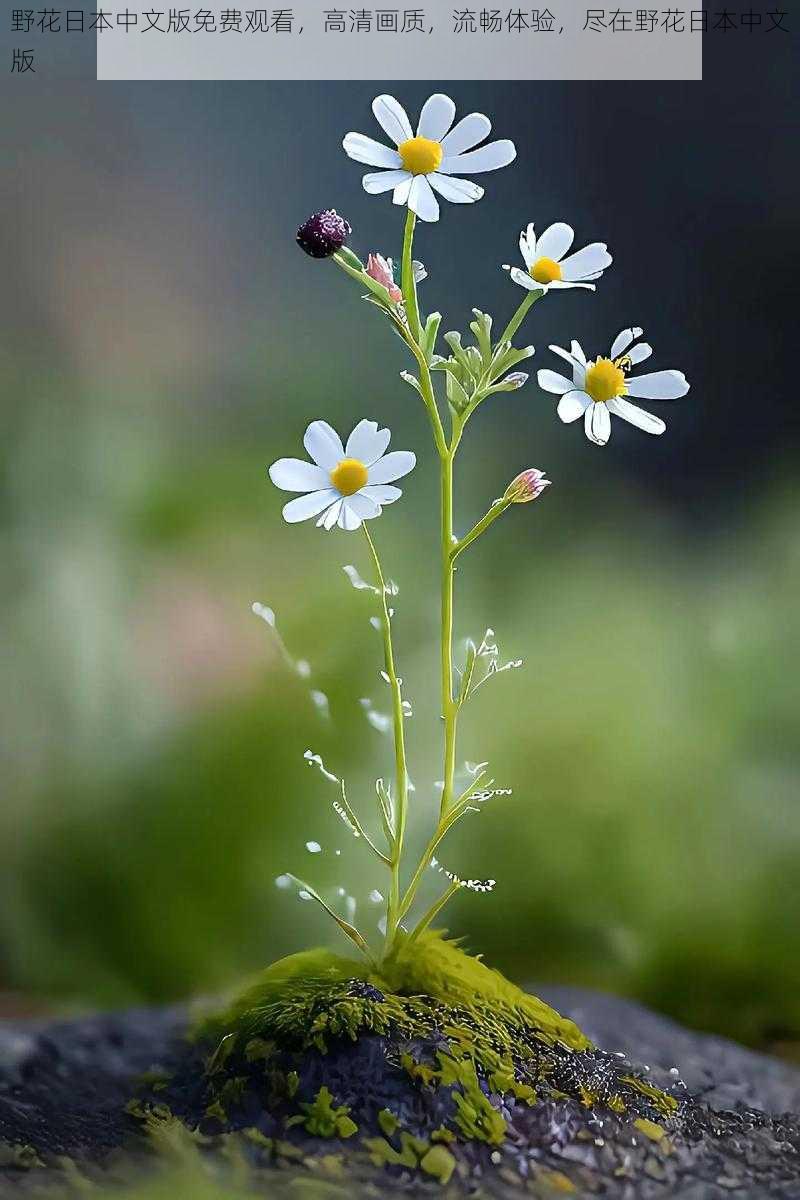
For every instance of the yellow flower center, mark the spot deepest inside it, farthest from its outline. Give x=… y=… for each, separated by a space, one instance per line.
x=420 y=155
x=605 y=380
x=545 y=270
x=348 y=476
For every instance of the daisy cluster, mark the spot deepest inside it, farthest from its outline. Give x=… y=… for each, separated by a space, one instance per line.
x=345 y=484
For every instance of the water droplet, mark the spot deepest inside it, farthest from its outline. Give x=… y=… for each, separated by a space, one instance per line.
x=313 y=848
x=283 y=881
x=375 y=896
x=304 y=895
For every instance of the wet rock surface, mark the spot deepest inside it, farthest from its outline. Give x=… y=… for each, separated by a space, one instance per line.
x=64 y=1087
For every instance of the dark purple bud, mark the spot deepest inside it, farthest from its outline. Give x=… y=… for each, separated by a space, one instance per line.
x=323 y=233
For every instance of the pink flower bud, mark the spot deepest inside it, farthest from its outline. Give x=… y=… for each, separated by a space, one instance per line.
x=526 y=487
x=380 y=269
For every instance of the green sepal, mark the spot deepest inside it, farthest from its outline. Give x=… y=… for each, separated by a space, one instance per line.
x=350 y=258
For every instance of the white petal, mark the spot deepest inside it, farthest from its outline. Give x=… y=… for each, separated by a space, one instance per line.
x=555 y=241
x=578 y=367
x=401 y=192
x=348 y=519
x=329 y=518
x=364 y=506
x=624 y=339
x=573 y=405
x=296 y=475
x=457 y=191
x=323 y=444
x=597 y=424
x=577 y=352
x=303 y=507
x=421 y=199
x=486 y=158
x=436 y=117
x=355 y=509
x=383 y=181
x=525 y=280
x=367 y=442
x=639 y=352
x=392 y=466
x=585 y=262
x=467 y=133
x=659 y=385
x=636 y=416
x=392 y=118
x=527 y=246
x=563 y=285
x=367 y=150
x=551 y=381
x=381 y=493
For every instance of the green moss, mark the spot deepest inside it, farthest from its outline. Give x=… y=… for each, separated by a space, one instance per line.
x=323 y=1119
x=277 y=1003
x=439 y=1163
x=496 y=1035
x=387 y=1121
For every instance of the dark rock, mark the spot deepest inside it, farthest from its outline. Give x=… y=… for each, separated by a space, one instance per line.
x=64 y=1087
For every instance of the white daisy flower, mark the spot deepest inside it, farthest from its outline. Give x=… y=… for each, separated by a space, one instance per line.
x=598 y=388
x=344 y=485
x=432 y=158
x=545 y=264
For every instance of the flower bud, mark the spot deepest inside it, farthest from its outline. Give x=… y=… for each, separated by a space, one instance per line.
x=526 y=487
x=323 y=233
x=517 y=379
x=380 y=269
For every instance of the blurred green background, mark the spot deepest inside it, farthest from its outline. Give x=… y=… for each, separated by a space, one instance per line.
x=165 y=341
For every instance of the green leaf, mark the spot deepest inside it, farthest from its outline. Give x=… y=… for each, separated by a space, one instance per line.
x=411 y=380
x=506 y=357
x=430 y=334
x=453 y=340
x=457 y=398
x=345 y=926
x=469 y=668
x=482 y=329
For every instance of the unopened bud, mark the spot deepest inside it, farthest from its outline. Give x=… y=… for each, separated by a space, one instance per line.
x=323 y=233
x=380 y=269
x=526 y=487
x=517 y=379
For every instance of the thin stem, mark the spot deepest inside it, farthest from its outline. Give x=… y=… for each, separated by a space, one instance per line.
x=401 y=773
x=519 y=316
x=479 y=527
x=449 y=706
x=407 y=284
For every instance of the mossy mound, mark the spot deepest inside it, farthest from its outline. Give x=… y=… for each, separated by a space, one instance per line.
x=428 y=1066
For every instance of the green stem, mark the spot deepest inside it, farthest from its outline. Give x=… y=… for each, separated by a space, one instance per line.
x=519 y=316
x=480 y=527
x=449 y=706
x=407 y=284
x=401 y=772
